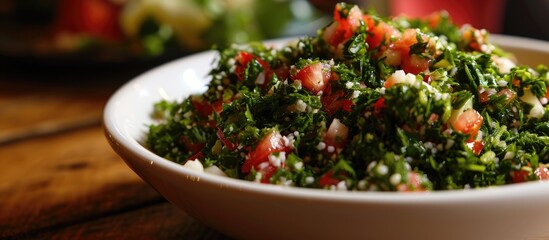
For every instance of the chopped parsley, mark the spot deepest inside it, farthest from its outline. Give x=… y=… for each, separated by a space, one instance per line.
x=368 y=104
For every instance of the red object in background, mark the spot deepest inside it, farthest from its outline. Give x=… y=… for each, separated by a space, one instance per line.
x=96 y=18
x=486 y=14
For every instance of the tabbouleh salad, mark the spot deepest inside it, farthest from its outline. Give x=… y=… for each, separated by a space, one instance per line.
x=369 y=104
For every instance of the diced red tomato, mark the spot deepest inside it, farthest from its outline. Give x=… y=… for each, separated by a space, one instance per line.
x=408 y=38
x=474 y=38
x=337 y=134
x=410 y=63
x=204 y=108
x=468 y=122
x=314 y=77
x=342 y=28
x=191 y=146
x=433 y=118
x=516 y=82
x=267 y=173
x=334 y=101
x=354 y=18
x=328 y=179
x=392 y=80
x=427 y=79
x=508 y=93
x=413 y=63
x=243 y=59
x=230 y=145
x=217 y=106
x=331 y=101
x=97 y=18
x=547 y=93
x=381 y=33
x=519 y=176
x=329 y=34
x=485 y=95
x=379 y=105
x=271 y=143
x=368 y=21
x=347 y=104
x=542 y=172
x=282 y=72
x=337 y=33
x=413 y=184
x=476 y=146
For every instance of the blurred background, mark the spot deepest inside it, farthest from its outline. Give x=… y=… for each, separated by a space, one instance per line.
x=114 y=33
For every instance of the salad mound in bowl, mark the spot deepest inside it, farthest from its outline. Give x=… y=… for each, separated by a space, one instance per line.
x=367 y=104
x=367 y=107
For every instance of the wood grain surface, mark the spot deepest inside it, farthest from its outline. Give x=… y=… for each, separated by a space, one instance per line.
x=59 y=178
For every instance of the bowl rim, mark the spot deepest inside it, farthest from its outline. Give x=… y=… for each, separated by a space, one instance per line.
x=121 y=141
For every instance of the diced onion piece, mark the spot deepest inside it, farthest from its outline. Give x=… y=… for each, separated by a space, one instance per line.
x=337 y=134
x=537 y=110
x=400 y=76
x=504 y=65
x=194 y=165
x=215 y=171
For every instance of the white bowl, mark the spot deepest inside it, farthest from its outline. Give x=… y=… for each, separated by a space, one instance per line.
x=247 y=210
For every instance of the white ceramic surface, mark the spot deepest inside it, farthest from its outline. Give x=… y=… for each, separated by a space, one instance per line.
x=246 y=210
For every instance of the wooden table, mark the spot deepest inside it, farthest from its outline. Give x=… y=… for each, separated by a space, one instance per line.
x=59 y=178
